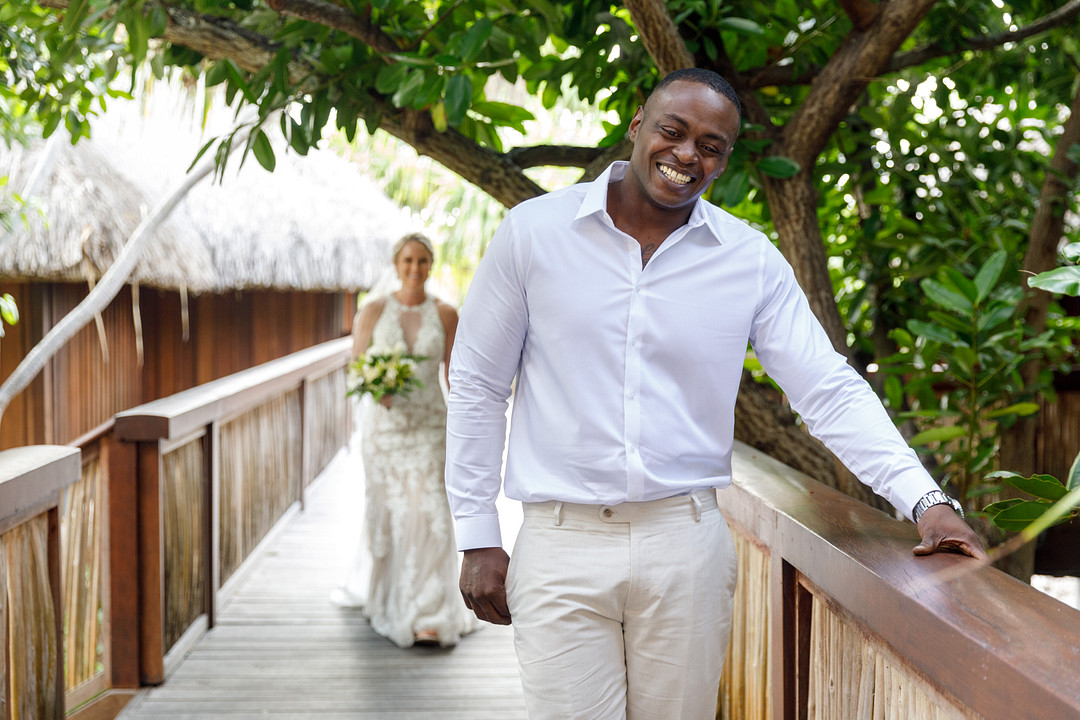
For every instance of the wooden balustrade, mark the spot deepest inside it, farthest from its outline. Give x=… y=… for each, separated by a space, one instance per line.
x=201 y=478
x=835 y=619
x=32 y=482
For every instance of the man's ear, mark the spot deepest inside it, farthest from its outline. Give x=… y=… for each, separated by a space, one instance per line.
x=635 y=123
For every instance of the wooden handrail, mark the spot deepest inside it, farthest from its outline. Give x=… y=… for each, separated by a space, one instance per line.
x=187 y=411
x=997 y=645
x=32 y=477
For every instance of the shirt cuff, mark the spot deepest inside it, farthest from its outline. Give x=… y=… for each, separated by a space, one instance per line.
x=909 y=489
x=478 y=531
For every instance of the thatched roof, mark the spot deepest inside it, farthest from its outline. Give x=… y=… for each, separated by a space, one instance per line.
x=315 y=223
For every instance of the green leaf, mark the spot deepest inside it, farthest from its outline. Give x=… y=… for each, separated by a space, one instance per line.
x=1021 y=409
x=409 y=89
x=159 y=21
x=458 y=96
x=931 y=331
x=201 y=153
x=1020 y=516
x=946 y=298
x=438 y=117
x=962 y=283
x=742 y=25
x=264 y=151
x=1071 y=252
x=996 y=315
x=390 y=78
x=9 y=311
x=988 y=274
x=1057 y=513
x=778 y=166
x=74 y=15
x=894 y=391
x=472 y=42
x=1044 y=487
x=941 y=434
x=1064 y=280
x=1072 y=481
x=994 y=508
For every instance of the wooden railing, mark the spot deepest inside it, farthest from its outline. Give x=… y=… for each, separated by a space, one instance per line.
x=836 y=619
x=32 y=483
x=208 y=473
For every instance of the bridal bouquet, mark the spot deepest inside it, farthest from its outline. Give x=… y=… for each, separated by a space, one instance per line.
x=382 y=372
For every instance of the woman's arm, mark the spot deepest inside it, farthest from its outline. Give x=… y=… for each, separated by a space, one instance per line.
x=364 y=325
x=449 y=317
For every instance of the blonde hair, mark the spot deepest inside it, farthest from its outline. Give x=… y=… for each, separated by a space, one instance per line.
x=413 y=237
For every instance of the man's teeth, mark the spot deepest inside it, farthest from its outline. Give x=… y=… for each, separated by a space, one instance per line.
x=674 y=175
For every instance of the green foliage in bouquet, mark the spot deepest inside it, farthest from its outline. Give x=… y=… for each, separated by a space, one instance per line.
x=381 y=373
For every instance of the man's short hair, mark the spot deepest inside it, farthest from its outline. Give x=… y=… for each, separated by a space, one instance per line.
x=704 y=77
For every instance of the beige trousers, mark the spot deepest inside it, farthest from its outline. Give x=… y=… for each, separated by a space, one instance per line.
x=622 y=611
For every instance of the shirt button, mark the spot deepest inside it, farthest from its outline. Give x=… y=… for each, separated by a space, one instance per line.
x=608 y=512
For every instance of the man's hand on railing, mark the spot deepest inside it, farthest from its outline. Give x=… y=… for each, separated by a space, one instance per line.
x=942 y=530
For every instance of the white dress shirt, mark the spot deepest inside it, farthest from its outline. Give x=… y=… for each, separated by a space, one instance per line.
x=627 y=376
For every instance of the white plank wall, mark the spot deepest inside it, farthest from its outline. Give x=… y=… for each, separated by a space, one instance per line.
x=281 y=650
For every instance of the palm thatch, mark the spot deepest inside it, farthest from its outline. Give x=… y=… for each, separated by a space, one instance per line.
x=314 y=224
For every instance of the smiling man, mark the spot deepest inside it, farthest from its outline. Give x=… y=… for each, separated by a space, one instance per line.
x=624 y=307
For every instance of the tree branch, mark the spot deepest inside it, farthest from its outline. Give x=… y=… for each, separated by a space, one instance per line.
x=659 y=35
x=861 y=12
x=338 y=18
x=1064 y=14
x=558 y=155
x=861 y=57
x=784 y=75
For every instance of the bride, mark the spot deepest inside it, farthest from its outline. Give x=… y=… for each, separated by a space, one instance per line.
x=413 y=595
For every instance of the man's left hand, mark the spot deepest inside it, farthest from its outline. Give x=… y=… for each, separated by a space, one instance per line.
x=943 y=530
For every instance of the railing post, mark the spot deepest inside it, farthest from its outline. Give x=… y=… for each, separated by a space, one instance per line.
x=212 y=542
x=52 y=519
x=305 y=442
x=151 y=572
x=122 y=644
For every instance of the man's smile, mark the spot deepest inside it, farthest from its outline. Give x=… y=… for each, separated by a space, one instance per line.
x=674 y=175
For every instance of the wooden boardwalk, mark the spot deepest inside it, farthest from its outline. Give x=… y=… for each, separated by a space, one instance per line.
x=282 y=650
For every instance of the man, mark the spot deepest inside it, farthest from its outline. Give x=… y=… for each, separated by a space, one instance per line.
x=624 y=307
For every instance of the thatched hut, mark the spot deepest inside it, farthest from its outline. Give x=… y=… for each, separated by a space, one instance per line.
x=246 y=269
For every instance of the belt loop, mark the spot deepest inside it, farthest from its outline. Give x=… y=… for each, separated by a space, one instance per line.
x=697 y=506
x=558 y=513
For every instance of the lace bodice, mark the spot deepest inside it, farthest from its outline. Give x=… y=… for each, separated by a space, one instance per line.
x=425 y=405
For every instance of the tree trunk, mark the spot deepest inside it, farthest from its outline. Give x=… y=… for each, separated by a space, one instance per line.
x=793 y=205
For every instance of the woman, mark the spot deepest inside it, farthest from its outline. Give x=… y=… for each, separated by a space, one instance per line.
x=412 y=596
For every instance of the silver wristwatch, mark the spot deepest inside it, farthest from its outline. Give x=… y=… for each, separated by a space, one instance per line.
x=934 y=497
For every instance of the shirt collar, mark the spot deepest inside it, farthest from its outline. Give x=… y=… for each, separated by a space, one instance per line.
x=595 y=201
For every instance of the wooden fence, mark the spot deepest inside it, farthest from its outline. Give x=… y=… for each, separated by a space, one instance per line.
x=110 y=567
x=214 y=469
x=32 y=482
x=835 y=619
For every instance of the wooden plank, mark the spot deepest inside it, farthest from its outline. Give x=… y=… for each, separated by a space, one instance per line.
x=281 y=650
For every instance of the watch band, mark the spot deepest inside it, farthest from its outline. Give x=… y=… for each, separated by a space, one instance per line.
x=932 y=498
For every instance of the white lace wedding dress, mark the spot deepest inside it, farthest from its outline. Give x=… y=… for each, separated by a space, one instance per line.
x=414 y=564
